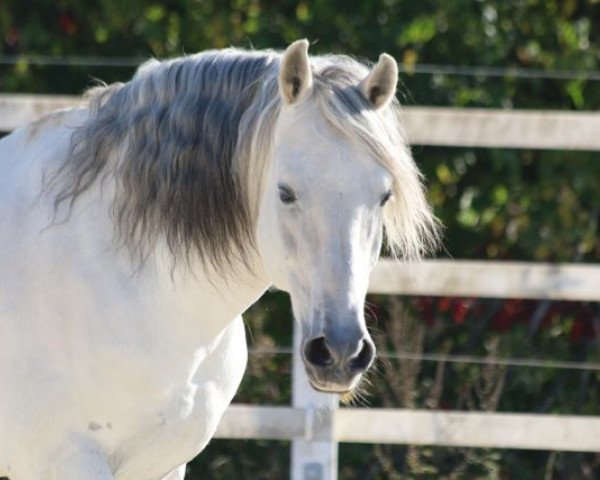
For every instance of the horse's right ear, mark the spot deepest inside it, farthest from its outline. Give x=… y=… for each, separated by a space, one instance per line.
x=295 y=75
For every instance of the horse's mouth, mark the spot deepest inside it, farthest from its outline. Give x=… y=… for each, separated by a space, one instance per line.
x=333 y=389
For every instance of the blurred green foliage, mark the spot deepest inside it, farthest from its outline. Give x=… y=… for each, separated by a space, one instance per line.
x=495 y=204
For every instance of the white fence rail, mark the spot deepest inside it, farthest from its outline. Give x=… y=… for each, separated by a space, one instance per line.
x=488 y=279
x=315 y=424
x=417 y=427
x=19 y=109
x=533 y=129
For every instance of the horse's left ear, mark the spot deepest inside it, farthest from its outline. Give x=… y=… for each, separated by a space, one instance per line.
x=295 y=75
x=379 y=86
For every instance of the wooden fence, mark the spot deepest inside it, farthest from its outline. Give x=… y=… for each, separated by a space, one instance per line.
x=314 y=423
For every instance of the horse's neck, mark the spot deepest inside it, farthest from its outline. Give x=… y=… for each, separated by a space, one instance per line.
x=192 y=300
x=215 y=298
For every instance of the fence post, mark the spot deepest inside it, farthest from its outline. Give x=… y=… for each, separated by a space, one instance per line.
x=314 y=457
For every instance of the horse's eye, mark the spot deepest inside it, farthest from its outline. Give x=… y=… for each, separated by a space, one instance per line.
x=385 y=198
x=286 y=195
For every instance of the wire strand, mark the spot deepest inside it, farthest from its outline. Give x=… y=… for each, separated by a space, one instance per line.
x=501 y=72
x=58 y=61
x=421 y=69
x=465 y=359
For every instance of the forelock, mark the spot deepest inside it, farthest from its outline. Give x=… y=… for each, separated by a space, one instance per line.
x=412 y=230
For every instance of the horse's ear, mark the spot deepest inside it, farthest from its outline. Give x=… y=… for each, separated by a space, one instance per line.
x=379 y=86
x=295 y=76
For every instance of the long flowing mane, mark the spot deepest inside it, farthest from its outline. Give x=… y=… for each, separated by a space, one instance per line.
x=186 y=143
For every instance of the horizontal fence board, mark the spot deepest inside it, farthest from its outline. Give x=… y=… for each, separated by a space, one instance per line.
x=262 y=423
x=19 y=109
x=535 y=129
x=420 y=427
x=468 y=429
x=487 y=279
x=531 y=129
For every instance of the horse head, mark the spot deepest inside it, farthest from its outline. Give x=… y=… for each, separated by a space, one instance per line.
x=324 y=197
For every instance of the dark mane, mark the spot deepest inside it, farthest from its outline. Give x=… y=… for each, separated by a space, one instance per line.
x=167 y=139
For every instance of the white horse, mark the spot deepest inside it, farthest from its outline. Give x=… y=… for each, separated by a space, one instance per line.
x=135 y=231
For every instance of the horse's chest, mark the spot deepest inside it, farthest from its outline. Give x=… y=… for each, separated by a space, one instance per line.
x=171 y=429
x=171 y=435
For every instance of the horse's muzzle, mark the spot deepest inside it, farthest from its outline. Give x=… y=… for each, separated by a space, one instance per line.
x=336 y=367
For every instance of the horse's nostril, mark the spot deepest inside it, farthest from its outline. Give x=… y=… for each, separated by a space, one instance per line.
x=317 y=353
x=364 y=357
